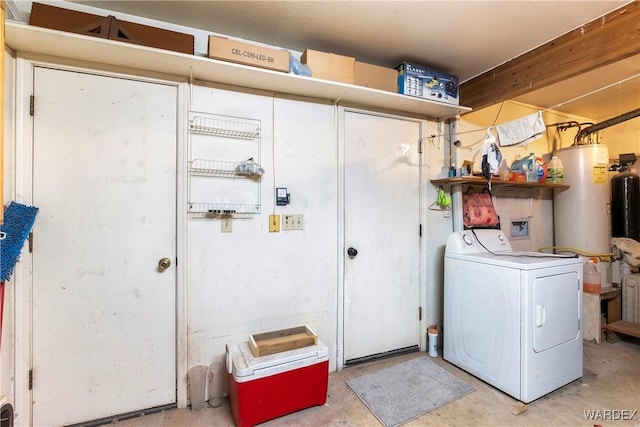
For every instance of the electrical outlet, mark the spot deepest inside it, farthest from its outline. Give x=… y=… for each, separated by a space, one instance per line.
x=274 y=223
x=292 y=222
x=226 y=225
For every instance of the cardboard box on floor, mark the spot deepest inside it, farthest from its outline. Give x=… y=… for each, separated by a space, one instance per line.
x=248 y=54
x=329 y=66
x=376 y=77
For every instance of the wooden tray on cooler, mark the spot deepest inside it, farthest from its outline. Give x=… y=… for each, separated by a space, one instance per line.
x=282 y=340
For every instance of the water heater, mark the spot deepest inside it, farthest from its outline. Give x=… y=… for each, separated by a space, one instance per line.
x=581 y=215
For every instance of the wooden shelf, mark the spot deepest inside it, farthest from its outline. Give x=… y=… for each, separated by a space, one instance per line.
x=624 y=328
x=44 y=41
x=478 y=180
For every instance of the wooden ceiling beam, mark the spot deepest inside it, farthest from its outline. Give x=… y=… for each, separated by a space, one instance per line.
x=603 y=41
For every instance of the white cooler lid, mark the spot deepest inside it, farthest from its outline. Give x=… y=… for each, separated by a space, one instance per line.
x=245 y=366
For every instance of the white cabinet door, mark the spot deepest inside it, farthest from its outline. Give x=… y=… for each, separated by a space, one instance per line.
x=382 y=220
x=104 y=178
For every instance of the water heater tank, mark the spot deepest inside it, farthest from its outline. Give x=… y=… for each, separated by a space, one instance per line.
x=581 y=217
x=625 y=206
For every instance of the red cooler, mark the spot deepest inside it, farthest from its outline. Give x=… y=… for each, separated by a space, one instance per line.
x=267 y=387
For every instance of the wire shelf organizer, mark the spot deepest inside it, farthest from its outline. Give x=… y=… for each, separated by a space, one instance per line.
x=220 y=126
x=205 y=167
x=236 y=142
x=223 y=209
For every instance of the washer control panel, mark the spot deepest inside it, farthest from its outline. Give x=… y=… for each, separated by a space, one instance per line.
x=477 y=241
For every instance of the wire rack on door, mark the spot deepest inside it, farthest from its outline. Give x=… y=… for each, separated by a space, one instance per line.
x=205 y=210
x=205 y=167
x=223 y=126
x=216 y=152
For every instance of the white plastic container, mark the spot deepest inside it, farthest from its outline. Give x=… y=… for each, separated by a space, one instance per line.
x=591 y=282
x=215 y=384
x=197 y=377
x=555 y=171
x=433 y=342
x=524 y=165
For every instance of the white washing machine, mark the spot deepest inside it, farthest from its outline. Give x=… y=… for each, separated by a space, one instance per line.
x=512 y=318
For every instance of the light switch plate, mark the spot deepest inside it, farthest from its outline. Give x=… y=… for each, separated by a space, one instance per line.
x=226 y=225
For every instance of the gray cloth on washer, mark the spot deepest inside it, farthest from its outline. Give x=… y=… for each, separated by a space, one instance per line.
x=521 y=131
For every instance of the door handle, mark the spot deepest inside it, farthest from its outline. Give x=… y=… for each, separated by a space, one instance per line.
x=164 y=263
x=541 y=315
x=352 y=252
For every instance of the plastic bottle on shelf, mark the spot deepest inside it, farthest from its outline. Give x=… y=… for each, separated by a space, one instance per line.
x=541 y=167
x=592 y=278
x=524 y=164
x=532 y=174
x=527 y=166
x=555 y=171
x=503 y=170
x=517 y=173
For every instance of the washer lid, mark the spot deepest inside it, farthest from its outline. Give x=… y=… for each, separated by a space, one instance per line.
x=518 y=259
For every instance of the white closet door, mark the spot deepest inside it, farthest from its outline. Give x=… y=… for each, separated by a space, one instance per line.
x=381 y=295
x=104 y=178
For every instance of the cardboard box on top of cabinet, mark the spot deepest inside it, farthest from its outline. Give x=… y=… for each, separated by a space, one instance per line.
x=248 y=54
x=330 y=66
x=376 y=77
x=423 y=82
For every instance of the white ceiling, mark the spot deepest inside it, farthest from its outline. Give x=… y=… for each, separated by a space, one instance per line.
x=465 y=38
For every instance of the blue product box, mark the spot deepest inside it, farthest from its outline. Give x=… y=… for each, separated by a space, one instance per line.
x=423 y=82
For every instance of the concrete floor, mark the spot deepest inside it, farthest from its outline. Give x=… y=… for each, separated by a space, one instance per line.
x=611 y=381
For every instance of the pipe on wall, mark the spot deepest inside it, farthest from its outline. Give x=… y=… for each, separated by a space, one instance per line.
x=602 y=125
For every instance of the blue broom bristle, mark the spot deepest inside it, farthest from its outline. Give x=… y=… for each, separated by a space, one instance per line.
x=18 y=221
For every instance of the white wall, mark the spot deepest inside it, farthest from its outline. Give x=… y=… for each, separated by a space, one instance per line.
x=252 y=281
x=438 y=224
x=7 y=344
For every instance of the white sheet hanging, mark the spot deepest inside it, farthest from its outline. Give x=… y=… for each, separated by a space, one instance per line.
x=521 y=131
x=631 y=249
